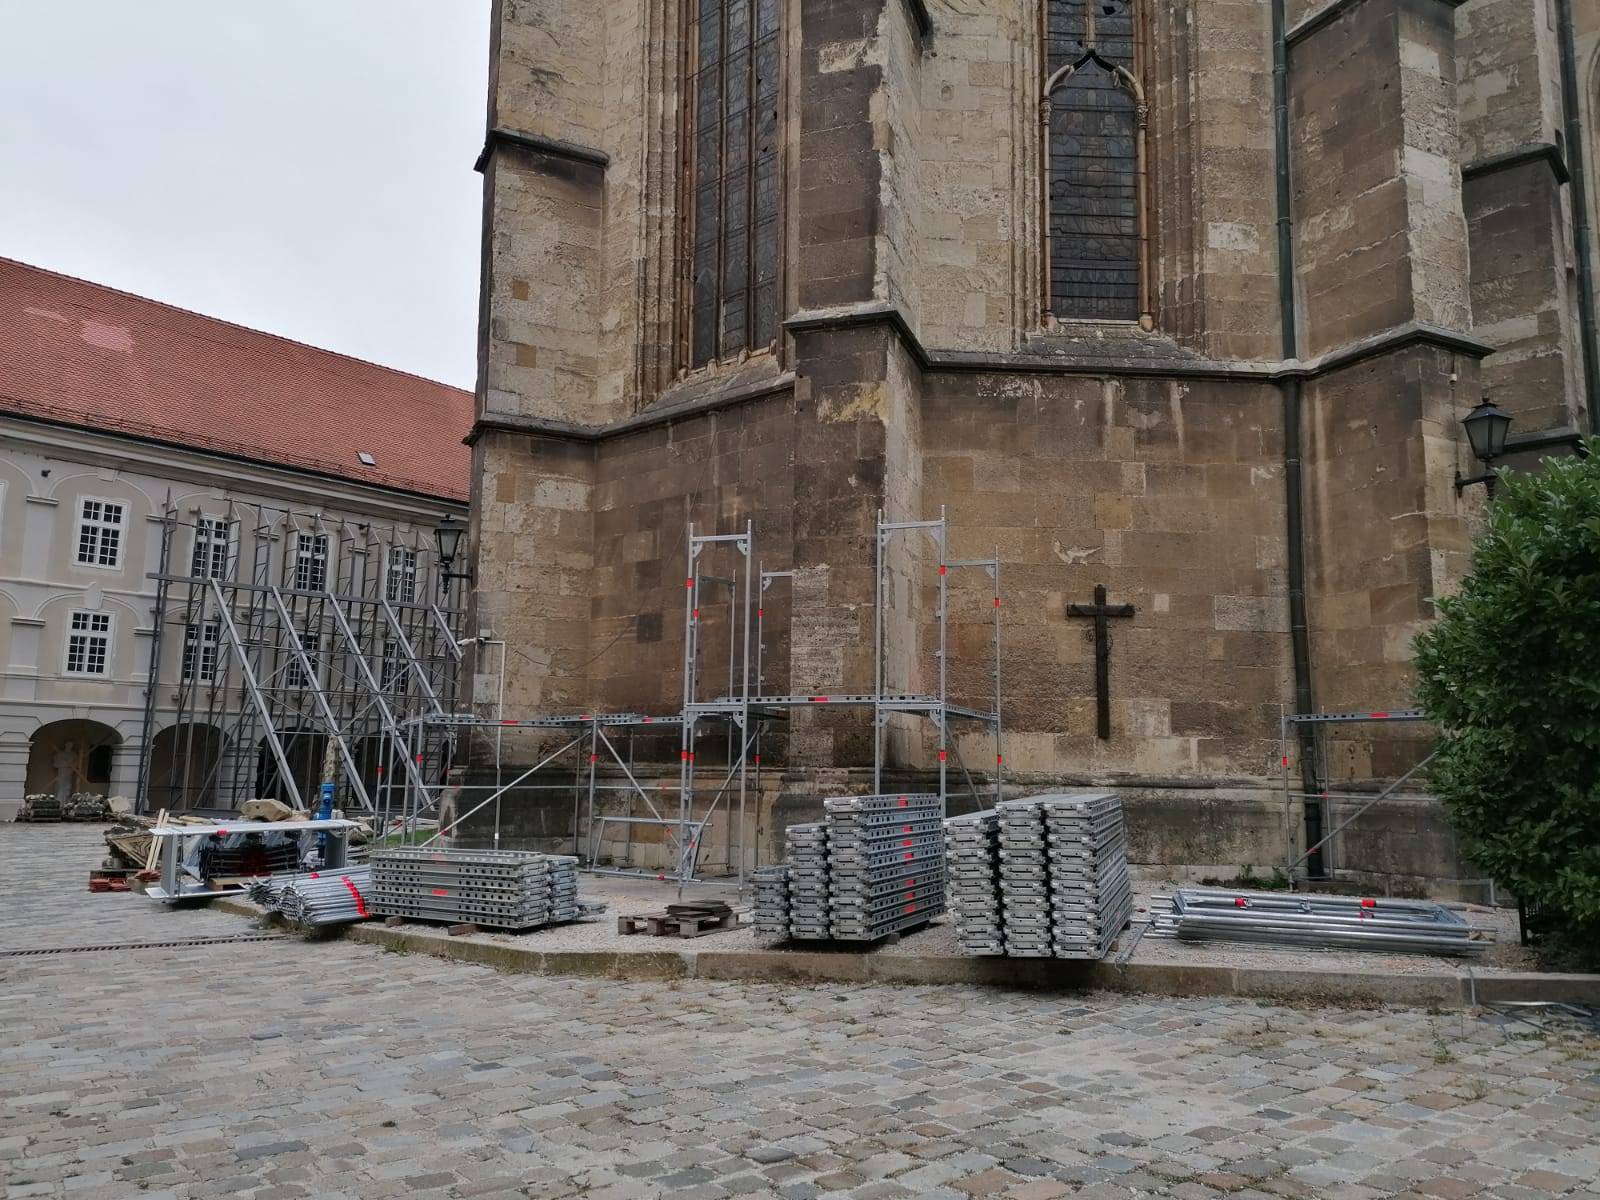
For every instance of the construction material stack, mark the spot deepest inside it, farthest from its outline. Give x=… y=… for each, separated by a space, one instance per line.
x=972 y=854
x=1041 y=876
x=1319 y=922
x=313 y=899
x=771 y=908
x=1024 y=878
x=564 y=905
x=496 y=889
x=1091 y=892
x=886 y=864
x=808 y=881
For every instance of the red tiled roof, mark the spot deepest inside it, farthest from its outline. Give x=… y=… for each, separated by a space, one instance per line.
x=88 y=355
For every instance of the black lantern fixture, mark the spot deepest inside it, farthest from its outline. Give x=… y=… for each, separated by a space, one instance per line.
x=447 y=539
x=1486 y=428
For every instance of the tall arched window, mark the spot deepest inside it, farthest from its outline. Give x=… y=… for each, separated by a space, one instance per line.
x=735 y=231
x=1092 y=147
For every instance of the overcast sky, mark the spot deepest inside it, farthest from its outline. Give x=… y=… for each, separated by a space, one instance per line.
x=298 y=166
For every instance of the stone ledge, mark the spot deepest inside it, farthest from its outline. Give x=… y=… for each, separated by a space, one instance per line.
x=1444 y=989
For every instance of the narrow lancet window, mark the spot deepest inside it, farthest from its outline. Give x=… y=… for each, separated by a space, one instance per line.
x=1093 y=148
x=735 y=230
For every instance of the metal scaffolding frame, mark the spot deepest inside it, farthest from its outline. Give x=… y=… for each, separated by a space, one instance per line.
x=299 y=632
x=590 y=742
x=1292 y=726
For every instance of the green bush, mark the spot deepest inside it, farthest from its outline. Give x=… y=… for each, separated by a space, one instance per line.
x=1511 y=674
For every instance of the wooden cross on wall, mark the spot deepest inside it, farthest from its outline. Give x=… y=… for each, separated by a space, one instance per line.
x=1101 y=612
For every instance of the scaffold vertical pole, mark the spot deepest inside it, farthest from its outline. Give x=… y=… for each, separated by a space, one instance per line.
x=999 y=745
x=941 y=537
x=877 y=659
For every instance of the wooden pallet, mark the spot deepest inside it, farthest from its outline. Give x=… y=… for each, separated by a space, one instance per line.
x=681 y=925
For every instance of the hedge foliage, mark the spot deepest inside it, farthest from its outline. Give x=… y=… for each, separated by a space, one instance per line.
x=1511 y=674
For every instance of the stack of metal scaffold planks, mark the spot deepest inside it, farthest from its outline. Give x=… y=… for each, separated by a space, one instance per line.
x=809 y=905
x=885 y=863
x=1024 y=878
x=770 y=911
x=1041 y=876
x=972 y=858
x=496 y=889
x=1091 y=892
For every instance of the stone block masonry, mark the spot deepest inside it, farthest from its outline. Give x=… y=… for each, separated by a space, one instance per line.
x=916 y=371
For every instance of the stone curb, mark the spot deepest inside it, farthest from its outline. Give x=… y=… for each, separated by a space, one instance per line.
x=1456 y=989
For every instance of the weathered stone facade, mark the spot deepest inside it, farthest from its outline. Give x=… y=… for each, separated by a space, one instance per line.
x=1430 y=255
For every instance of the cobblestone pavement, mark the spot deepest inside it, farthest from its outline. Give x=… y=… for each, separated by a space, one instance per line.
x=295 y=1069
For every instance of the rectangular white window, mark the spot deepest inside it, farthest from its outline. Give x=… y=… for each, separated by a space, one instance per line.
x=294 y=677
x=200 y=653
x=310 y=562
x=402 y=582
x=389 y=667
x=100 y=534
x=213 y=547
x=88 y=643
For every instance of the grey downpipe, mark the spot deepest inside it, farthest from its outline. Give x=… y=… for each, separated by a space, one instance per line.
x=1580 y=212
x=1293 y=486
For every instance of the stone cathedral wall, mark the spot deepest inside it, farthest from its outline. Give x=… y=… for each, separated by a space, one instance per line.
x=914 y=373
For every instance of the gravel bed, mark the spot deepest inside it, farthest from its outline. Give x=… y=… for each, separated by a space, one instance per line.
x=938 y=939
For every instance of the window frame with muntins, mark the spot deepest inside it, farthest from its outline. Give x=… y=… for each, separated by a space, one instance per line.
x=1080 y=42
x=89 y=633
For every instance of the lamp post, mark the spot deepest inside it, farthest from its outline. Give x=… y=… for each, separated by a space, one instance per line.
x=1486 y=428
x=447 y=540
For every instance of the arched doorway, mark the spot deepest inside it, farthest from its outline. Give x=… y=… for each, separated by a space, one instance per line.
x=304 y=749
x=76 y=755
x=184 y=762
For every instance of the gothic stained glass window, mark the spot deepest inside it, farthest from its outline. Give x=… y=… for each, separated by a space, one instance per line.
x=736 y=231
x=1092 y=115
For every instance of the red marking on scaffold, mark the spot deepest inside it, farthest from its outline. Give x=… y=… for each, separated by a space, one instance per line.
x=904 y=801
x=1368 y=903
x=1286 y=760
x=380 y=768
x=758 y=760
x=594 y=758
x=761 y=612
x=999 y=760
x=817 y=699
x=911 y=908
x=909 y=857
x=683 y=755
x=906 y=829
x=1378 y=716
x=697 y=614
x=508 y=722
x=942 y=568
x=997 y=601
x=314 y=875
x=419 y=760
x=941 y=755
x=440 y=892
x=361 y=906
x=688 y=583
x=906 y=842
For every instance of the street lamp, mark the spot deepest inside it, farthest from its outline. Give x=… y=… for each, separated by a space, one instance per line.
x=1486 y=428
x=447 y=539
